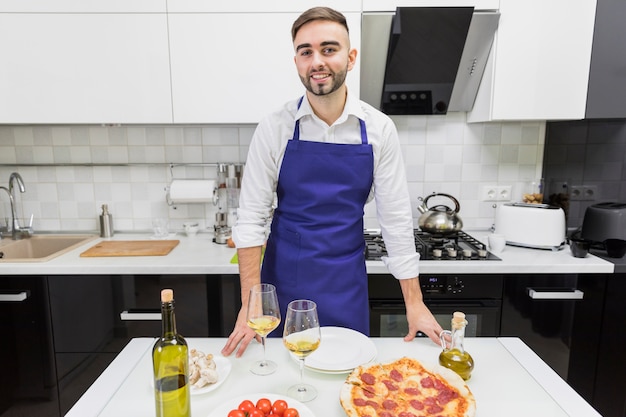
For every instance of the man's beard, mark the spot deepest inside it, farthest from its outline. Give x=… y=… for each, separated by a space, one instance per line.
x=324 y=89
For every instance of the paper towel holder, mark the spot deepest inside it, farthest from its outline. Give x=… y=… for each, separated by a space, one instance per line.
x=173 y=202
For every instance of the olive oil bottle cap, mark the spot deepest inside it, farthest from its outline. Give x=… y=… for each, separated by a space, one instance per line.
x=458 y=319
x=167 y=295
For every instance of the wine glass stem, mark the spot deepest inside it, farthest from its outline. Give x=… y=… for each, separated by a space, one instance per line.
x=264 y=355
x=302 y=375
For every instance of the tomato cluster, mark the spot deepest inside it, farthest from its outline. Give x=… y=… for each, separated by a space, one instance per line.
x=264 y=408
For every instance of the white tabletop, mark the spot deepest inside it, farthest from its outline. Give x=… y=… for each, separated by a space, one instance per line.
x=507 y=376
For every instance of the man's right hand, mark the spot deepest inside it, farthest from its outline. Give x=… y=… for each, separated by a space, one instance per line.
x=241 y=336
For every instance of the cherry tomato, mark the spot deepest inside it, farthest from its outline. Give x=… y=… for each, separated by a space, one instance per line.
x=264 y=405
x=237 y=413
x=255 y=412
x=291 y=412
x=246 y=405
x=279 y=407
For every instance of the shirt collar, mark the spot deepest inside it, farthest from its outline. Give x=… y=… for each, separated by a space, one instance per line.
x=352 y=108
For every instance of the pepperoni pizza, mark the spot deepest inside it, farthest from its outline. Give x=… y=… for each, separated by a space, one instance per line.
x=406 y=388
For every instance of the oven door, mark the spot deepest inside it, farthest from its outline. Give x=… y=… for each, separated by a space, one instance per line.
x=388 y=317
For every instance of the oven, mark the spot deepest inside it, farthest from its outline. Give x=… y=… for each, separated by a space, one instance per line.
x=478 y=296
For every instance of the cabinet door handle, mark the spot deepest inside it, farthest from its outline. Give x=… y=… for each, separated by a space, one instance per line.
x=555 y=294
x=141 y=314
x=16 y=296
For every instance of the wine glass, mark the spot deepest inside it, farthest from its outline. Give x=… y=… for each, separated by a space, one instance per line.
x=263 y=317
x=302 y=336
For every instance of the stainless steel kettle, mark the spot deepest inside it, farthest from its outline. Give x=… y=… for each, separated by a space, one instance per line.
x=439 y=219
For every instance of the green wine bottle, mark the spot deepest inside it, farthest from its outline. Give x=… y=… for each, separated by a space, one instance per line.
x=170 y=363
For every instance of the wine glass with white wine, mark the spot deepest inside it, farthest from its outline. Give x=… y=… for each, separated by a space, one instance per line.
x=302 y=336
x=263 y=317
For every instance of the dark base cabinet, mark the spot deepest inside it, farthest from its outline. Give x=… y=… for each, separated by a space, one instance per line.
x=94 y=317
x=558 y=316
x=70 y=328
x=28 y=376
x=609 y=395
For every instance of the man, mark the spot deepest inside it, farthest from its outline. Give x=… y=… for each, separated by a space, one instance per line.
x=325 y=155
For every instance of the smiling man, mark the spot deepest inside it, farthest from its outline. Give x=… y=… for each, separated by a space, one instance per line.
x=322 y=157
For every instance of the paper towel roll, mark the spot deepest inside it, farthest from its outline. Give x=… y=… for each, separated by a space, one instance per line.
x=190 y=191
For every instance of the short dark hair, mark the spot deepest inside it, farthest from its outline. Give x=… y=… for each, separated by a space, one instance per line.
x=318 y=13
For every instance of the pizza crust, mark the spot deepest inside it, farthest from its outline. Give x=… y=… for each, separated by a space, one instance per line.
x=357 y=387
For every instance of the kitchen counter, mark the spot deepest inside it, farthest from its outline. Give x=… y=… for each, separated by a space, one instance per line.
x=200 y=255
x=508 y=377
x=619 y=264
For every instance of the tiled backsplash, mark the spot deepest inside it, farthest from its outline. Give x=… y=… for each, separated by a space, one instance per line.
x=70 y=171
x=588 y=154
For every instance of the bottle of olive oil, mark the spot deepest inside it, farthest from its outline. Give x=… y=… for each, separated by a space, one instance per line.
x=170 y=364
x=455 y=357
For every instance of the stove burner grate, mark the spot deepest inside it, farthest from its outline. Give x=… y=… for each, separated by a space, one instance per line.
x=458 y=246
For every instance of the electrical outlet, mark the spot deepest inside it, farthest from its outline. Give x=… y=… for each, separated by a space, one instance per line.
x=583 y=192
x=496 y=193
x=504 y=193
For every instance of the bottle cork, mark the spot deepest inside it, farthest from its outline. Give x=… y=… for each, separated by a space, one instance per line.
x=167 y=295
x=458 y=319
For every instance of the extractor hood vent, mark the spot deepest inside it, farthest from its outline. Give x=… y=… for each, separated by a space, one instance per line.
x=425 y=60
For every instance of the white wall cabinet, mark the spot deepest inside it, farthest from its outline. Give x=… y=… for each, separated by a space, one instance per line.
x=256 y=6
x=236 y=67
x=390 y=6
x=83 y=6
x=84 y=68
x=538 y=68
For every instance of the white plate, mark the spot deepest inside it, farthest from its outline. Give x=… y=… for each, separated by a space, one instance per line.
x=223 y=367
x=233 y=403
x=340 y=351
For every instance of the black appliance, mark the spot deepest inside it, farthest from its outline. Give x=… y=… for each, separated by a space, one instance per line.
x=425 y=60
x=604 y=226
x=425 y=48
x=457 y=247
x=478 y=296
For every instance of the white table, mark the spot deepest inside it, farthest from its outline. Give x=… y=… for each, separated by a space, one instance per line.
x=508 y=379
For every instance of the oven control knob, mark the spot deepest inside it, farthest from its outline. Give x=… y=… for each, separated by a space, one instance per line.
x=456 y=286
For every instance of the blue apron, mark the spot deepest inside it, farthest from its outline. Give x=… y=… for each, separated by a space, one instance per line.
x=316 y=248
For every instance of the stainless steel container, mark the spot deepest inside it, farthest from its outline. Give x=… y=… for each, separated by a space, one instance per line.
x=106 y=222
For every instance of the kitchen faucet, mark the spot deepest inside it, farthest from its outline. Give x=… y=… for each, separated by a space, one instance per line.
x=17 y=232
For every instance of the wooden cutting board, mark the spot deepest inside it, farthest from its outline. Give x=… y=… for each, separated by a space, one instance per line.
x=131 y=248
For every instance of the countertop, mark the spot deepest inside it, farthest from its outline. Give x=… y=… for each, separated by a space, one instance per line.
x=507 y=376
x=200 y=255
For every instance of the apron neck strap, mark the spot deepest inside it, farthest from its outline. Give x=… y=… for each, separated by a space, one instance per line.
x=296 y=128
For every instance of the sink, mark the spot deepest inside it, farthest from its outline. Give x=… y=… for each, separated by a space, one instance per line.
x=40 y=248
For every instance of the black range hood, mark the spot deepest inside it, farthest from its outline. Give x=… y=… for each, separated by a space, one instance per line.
x=432 y=58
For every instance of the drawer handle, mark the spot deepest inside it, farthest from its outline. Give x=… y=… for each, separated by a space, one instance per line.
x=564 y=294
x=17 y=296
x=141 y=314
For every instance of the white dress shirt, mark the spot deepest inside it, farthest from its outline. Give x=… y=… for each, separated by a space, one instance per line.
x=389 y=189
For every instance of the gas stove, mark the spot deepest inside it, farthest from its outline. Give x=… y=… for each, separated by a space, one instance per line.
x=457 y=247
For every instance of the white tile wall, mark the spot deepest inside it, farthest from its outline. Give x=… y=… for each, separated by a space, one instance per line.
x=128 y=168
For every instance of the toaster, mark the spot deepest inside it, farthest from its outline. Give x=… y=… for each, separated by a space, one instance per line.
x=538 y=226
x=604 y=221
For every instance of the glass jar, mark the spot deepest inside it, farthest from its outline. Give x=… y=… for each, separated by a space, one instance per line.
x=533 y=192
